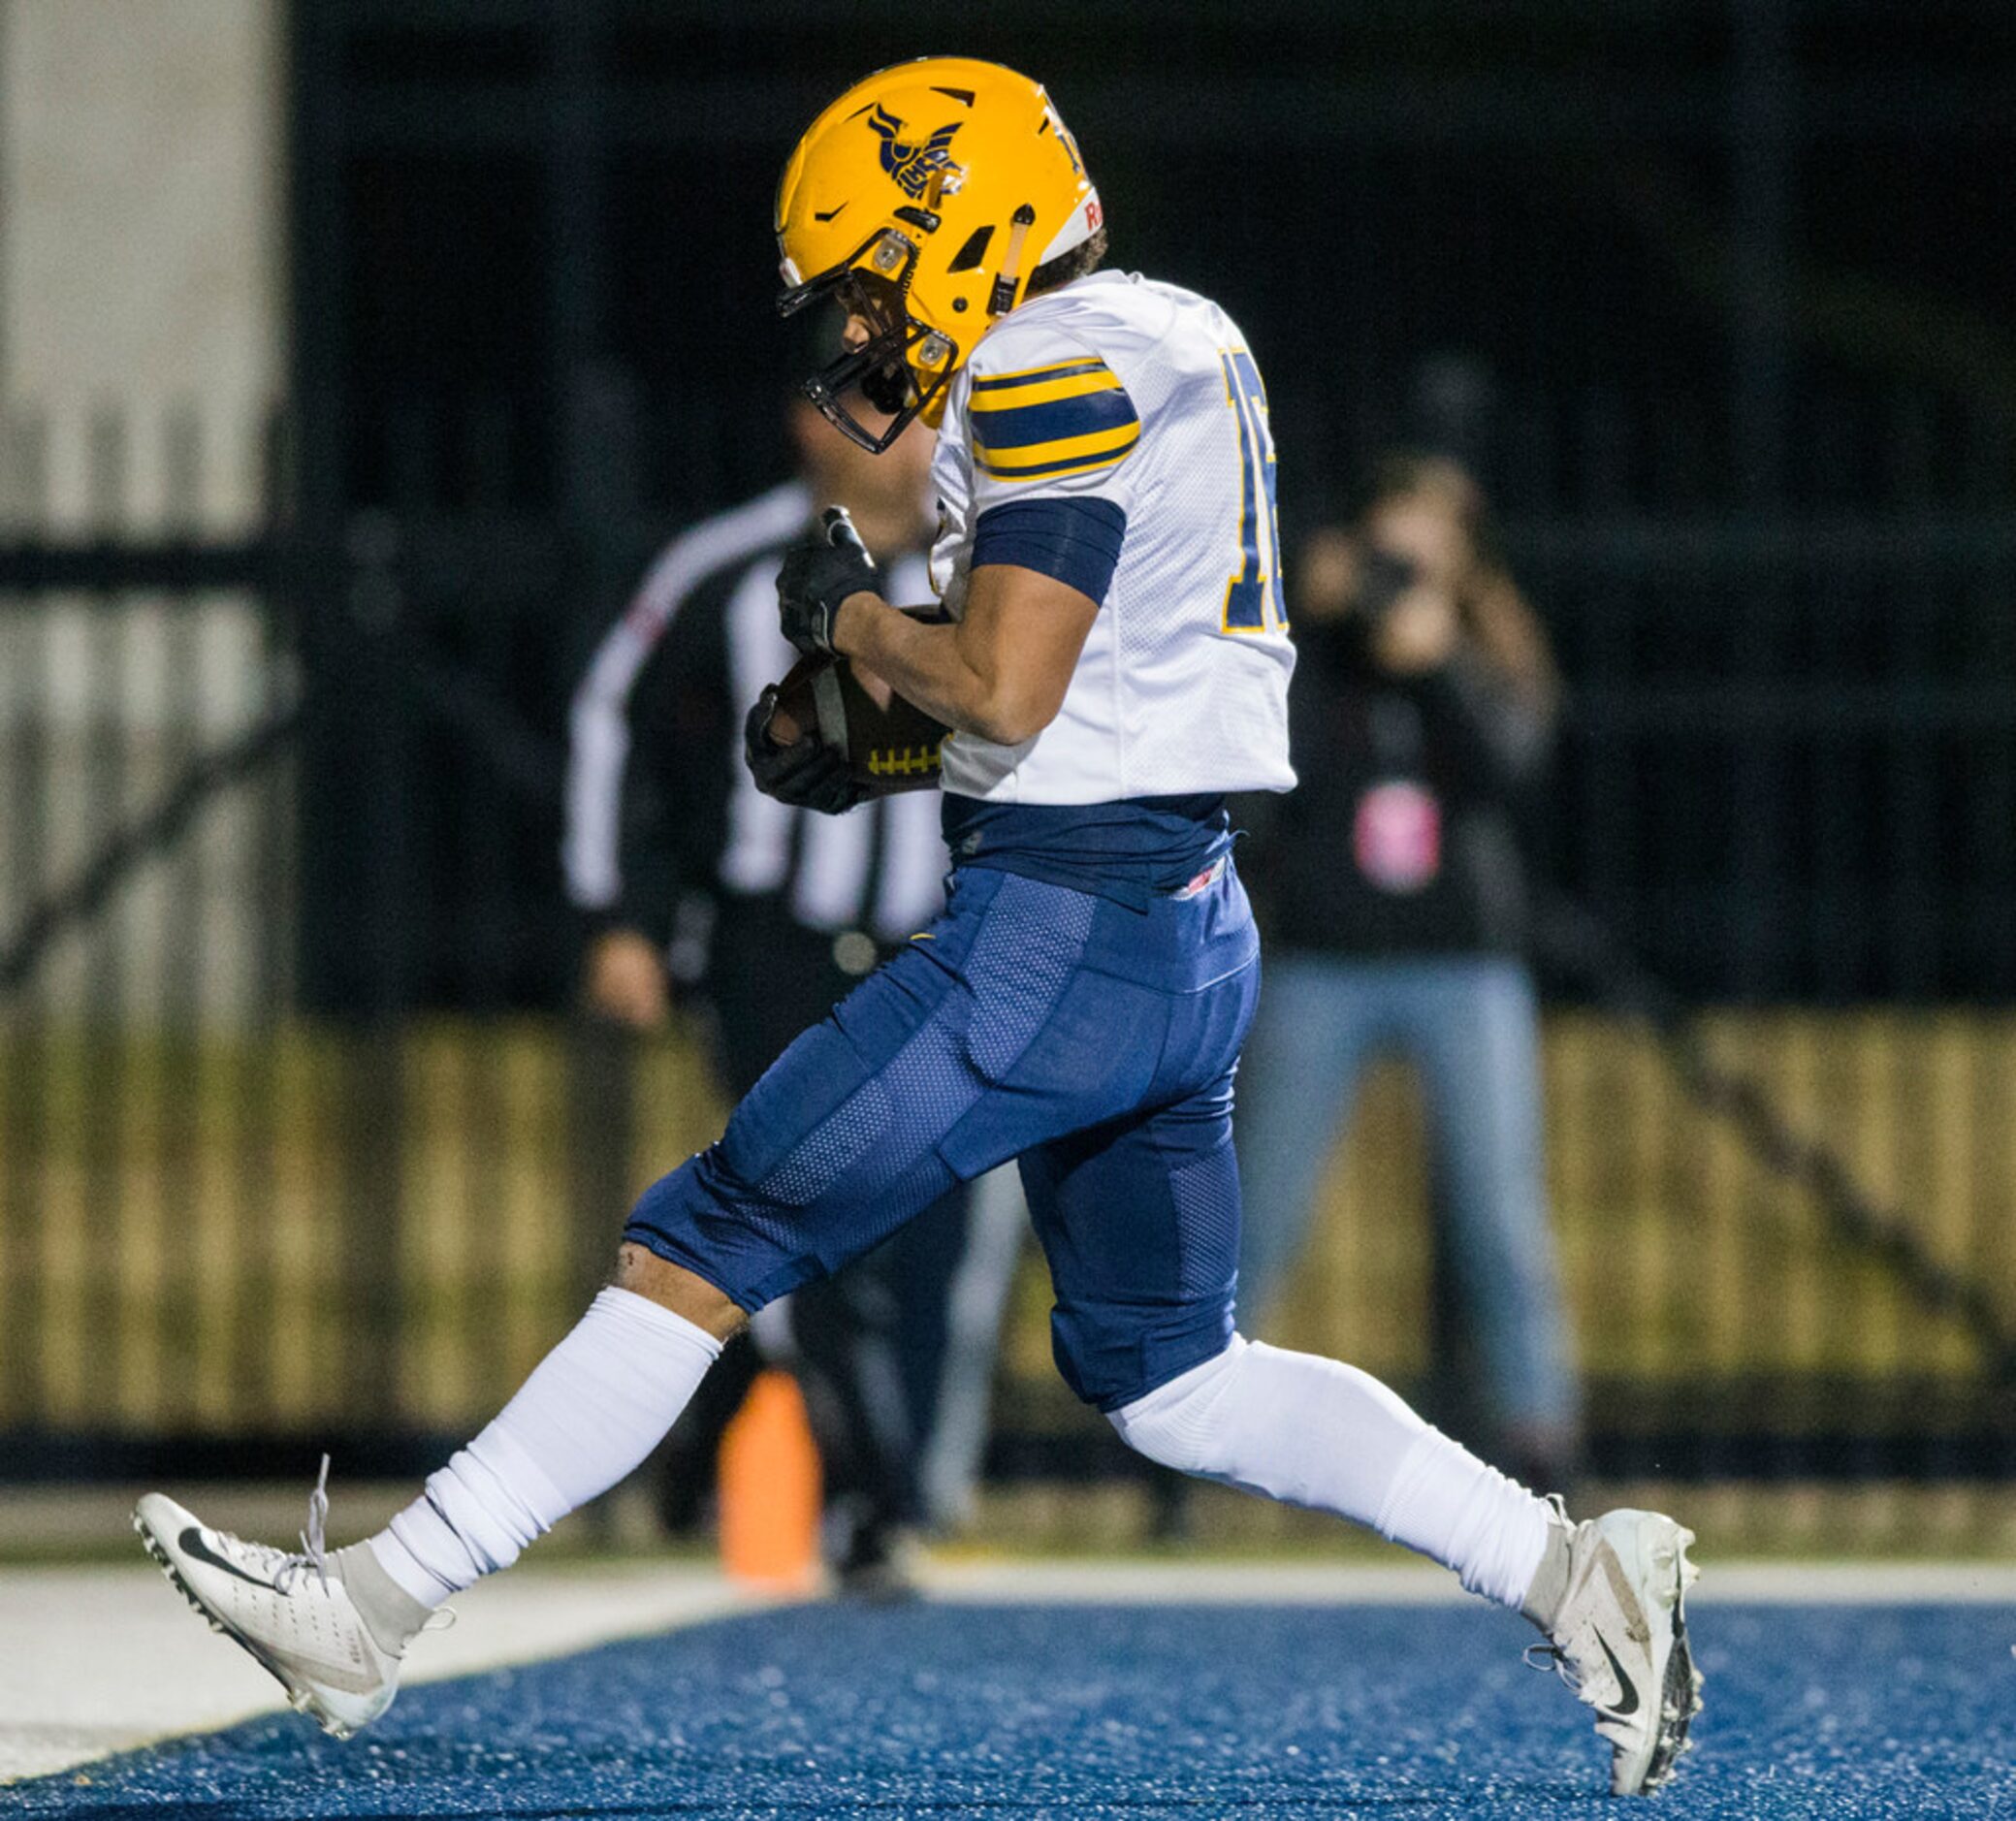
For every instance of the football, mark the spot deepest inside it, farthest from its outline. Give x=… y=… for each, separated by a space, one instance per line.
x=889 y=748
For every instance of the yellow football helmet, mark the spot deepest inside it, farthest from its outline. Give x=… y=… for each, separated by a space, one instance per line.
x=921 y=201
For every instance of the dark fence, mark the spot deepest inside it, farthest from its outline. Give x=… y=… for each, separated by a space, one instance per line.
x=1688 y=283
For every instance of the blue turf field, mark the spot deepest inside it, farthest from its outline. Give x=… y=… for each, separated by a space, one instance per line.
x=1253 y=1711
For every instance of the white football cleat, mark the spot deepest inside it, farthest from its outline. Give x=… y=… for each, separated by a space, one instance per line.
x=1620 y=1641
x=291 y=1611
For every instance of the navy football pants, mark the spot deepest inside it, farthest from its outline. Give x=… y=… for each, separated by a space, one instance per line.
x=1093 y=1042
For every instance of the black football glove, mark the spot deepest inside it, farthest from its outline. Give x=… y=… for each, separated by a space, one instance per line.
x=807 y=774
x=817 y=576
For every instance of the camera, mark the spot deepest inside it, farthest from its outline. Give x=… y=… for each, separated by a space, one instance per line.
x=1383 y=578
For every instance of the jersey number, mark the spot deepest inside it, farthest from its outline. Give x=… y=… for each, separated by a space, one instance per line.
x=1253 y=588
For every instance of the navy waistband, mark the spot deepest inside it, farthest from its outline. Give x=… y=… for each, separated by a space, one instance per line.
x=1131 y=851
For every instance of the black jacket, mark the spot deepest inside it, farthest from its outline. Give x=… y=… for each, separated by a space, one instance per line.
x=1402 y=837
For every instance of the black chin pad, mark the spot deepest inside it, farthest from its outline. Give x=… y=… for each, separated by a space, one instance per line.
x=886 y=388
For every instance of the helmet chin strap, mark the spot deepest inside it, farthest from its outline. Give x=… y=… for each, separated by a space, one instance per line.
x=1002 y=297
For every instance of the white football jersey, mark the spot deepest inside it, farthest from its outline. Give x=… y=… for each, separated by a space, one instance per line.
x=1182 y=687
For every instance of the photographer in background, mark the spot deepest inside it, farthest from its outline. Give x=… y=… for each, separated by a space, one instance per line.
x=1422 y=709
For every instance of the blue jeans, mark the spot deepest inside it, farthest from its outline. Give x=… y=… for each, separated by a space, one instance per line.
x=1093 y=1042
x=1469 y=1026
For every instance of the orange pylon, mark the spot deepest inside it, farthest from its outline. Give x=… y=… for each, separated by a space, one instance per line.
x=770 y=1490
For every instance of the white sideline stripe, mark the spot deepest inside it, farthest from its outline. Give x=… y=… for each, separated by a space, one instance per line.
x=103 y=1660
x=1300 y=1583
x=1858 y=1584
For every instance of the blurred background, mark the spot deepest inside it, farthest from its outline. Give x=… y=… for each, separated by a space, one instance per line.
x=355 y=357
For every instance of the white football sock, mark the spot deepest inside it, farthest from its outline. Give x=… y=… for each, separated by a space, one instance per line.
x=1319 y=1433
x=1451 y=1507
x=593 y=1409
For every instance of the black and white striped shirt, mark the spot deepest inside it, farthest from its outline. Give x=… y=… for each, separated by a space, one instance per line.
x=661 y=809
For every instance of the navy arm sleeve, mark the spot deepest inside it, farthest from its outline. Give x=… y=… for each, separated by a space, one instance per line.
x=1073 y=540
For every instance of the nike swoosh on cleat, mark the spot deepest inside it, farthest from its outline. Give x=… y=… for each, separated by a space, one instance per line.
x=191 y=1543
x=1627 y=1702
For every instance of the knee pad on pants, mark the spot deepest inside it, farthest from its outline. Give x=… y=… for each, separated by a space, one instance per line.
x=1109 y=1353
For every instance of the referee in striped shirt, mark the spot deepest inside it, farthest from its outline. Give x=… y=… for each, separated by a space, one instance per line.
x=765 y=916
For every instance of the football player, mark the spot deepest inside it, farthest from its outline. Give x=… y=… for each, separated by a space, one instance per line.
x=1115 y=661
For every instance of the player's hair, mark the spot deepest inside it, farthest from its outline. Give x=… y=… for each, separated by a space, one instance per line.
x=1495 y=612
x=1087 y=256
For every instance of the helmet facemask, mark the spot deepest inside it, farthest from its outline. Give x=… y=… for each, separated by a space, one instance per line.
x=903 y=366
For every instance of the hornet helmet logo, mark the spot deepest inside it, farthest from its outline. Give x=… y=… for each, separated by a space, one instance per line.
x=912 y=164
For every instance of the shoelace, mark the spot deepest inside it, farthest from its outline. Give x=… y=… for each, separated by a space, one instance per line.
x=312 y=1555
x=1550 y=1655
x=286 y=1568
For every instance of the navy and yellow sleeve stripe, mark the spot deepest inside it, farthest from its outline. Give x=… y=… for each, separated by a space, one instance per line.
x=1070 y=417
